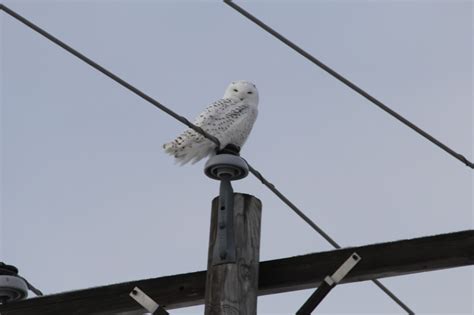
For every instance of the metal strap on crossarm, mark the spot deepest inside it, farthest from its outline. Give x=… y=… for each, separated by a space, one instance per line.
x=147 y=302
x=328 y=284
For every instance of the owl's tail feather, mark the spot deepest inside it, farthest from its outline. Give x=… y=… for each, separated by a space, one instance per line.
x=188 y=151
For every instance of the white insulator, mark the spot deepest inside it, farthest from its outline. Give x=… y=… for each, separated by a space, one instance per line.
x=12 y=288
x=226 y=166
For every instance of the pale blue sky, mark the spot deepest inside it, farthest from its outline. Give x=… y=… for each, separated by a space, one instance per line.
x=89 y=198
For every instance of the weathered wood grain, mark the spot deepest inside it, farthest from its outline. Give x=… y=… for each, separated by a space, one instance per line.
x=232 y=287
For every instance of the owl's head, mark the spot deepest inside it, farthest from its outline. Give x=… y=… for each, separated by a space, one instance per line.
x=242 y=90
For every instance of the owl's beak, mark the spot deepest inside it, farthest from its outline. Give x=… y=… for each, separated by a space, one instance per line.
x=241 y=99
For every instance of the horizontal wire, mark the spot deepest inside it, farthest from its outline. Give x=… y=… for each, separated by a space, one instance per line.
x=353 y=86
x=256 y=173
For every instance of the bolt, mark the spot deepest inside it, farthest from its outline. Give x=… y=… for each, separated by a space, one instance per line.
x=134 y=292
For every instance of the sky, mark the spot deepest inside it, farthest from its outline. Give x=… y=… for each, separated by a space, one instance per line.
x=88 y=197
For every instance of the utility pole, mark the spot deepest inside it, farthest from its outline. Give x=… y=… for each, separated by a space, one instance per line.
x=234 y=243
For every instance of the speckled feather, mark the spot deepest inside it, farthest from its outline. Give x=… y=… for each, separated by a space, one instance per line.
x=230 y=119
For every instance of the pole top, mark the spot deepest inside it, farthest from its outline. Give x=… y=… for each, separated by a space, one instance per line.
x=226 y=166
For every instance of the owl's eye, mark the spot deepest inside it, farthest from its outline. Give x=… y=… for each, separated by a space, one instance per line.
x=249 y=92
x=235 y=90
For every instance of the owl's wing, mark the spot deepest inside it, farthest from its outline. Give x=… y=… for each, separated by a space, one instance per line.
x=214 y=118
x=219 y=119
x=214 y=112
x=222 y=120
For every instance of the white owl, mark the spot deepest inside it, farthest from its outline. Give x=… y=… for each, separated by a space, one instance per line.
x=229 y=119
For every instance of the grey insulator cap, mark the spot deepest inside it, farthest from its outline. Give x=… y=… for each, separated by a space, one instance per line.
x=12 y=288
x=228 y=166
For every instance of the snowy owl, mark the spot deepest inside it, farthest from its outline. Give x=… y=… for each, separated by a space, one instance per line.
x=229 y=119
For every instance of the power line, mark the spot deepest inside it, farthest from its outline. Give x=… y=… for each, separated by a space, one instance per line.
x=353 y=86
x=108 y=73
x=322 y=233
x=183 y=120
x=166 y=110
x=300 y=213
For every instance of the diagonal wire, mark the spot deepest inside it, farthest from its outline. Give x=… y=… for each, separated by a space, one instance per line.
x=256 y=173
x=370 y=98
x=351 y=85
x=300 y=213
x=109 y=74
x=322 y=233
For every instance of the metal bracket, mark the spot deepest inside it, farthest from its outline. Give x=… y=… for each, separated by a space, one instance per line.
x=224 y=248
x=344 y=269
x=328 y=284
x=147 y=302
x=225 y=167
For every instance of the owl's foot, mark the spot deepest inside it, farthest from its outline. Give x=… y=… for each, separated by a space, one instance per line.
x=230 y=149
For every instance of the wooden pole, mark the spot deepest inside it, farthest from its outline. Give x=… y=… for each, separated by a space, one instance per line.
x=232 y=288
